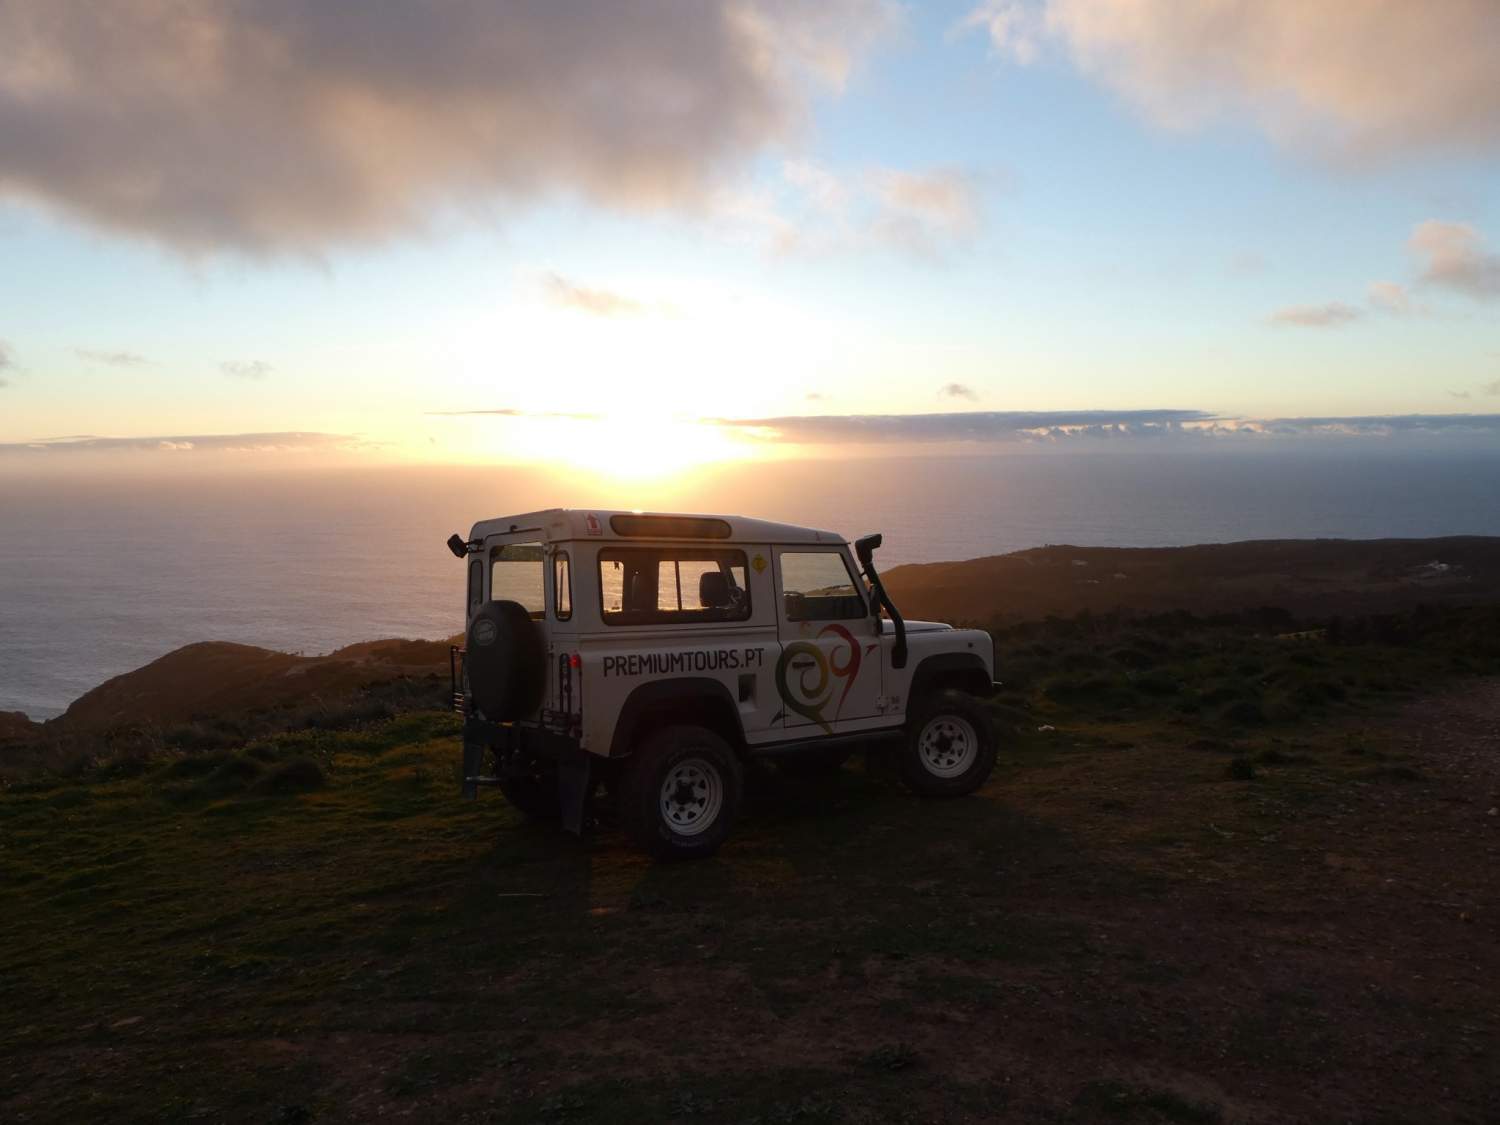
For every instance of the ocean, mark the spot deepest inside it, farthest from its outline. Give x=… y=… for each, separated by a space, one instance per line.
x=99 y=575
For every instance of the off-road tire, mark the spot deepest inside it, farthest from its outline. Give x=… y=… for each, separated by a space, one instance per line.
x=949 y=749
x=813 y=763
x=533 y=797
x=505 y=661
x=686 y=772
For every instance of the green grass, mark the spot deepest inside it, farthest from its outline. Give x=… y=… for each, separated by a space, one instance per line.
x=309 y=925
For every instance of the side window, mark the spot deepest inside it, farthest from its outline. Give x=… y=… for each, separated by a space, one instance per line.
x=516 y=575
x=476 y=585
x=817 y=586
x=668 y=585
x=562 y=585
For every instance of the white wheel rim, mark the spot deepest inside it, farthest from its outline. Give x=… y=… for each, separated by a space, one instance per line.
x=692 y=794
x=947 y=746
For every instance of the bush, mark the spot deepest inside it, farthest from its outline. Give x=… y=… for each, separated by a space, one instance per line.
x=300 y=775
x=231 y=776
x=196 y=765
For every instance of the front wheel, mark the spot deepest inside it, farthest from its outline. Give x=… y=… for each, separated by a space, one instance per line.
x=680 y=793
x=950 y=745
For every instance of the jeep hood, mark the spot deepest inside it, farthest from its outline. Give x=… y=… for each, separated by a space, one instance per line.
x=918 y=627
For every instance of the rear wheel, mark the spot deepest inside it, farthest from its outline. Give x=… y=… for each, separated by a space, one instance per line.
x=950 y=745
x=680 y=792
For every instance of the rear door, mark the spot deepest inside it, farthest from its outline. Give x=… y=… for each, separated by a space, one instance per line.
x=518 y=566
x=829 y=673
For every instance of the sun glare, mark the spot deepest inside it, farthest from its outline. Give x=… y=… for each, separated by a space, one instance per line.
x=623 y=447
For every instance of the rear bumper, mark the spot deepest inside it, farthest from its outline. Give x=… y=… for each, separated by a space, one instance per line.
x=519 y=748
x=523 y=750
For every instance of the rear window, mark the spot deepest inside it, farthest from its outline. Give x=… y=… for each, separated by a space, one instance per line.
x=667 y=585
x=516 y=575
x=562 y=586
x=476 y=585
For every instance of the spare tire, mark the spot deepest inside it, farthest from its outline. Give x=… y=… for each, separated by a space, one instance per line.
x=505 y=662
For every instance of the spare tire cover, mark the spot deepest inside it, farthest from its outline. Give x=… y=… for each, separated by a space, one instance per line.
x=505 y=662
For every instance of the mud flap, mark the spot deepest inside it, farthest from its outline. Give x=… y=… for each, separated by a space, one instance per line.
x=574 y=783
x=473 y=763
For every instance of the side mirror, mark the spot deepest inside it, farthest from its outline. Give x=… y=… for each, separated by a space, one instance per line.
x=457 y=545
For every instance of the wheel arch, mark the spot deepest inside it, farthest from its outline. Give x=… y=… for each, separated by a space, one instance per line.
x=957 y=671
x=692 y=699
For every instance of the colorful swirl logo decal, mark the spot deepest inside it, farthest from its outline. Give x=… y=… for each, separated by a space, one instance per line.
x=808 y=678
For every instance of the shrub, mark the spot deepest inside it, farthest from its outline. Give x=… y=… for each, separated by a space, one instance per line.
x=196 y=765
x=300 y=775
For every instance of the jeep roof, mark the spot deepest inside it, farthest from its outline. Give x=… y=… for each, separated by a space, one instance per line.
x=559 y=524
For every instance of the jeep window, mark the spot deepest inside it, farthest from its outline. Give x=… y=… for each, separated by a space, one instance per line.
x=817 y=586
x=672 y=585
x=516 y=575
x=562 y=586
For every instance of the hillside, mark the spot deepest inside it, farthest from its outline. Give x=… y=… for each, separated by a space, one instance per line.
x=1153 y=913
x=217 y=678
x=13 y=724
x=1307 y=577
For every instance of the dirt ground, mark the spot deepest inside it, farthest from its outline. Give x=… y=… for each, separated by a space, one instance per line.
x=1122 y=926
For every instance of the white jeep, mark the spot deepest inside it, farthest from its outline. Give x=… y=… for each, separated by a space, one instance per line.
x=654 y=653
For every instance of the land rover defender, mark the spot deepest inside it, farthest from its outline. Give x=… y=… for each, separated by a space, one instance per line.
x=653 y=654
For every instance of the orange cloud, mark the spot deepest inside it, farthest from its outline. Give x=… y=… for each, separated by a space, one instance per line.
x=1331 y=315
x=1454 y=255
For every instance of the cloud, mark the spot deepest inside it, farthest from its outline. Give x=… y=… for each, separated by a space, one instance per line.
x=110 y=359
x=1354 y=79
x=246 y=369
x=1062 y=429
x=1092 y=427
x=824 y=190
x=289 y=125
x=596 y=302
x=7 y=361
x=1330 y=315
x=922 y=212
x=969 y=426
x=270 y=442
x=1015 y=28
x=1459 y=394
x=957 y=390
x=1453 y=255
x=1491 y=388
x=925 y=212
x=1390 y=296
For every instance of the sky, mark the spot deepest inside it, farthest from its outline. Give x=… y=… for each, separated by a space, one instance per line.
x=639 y=236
